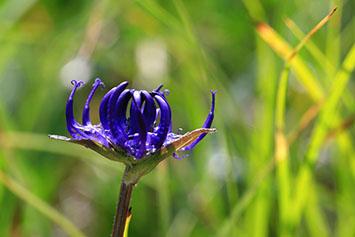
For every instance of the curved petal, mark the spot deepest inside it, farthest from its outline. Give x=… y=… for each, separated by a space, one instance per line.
x=135 y=113
x=207 y=123
x=165 y=121
x=118 y=120
x=138 y=125
x=149 y=110
x=78 y=131
x=86 y=111
x=104 y=106
x=72 y=124
x=158 y=91
x=103 y=110
x=157 y=115
x=158 y=88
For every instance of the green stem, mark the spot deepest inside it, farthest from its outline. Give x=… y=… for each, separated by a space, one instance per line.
x=122 y=210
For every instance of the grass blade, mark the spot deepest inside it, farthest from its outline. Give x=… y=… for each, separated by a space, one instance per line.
x=40 y=205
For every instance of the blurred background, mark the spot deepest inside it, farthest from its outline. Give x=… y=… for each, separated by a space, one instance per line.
x=281 y=164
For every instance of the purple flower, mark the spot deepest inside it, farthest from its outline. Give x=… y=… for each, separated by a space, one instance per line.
x=146 y=130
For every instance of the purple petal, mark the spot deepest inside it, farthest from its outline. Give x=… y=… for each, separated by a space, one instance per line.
x=78 y=131
x=158 y=88
x=72 y=124
x=207 y=124
x=86 y=111
x=148 y=110
x=138 y=125
x=163 y=93
x=104 y=106
x=165 y=120
x=117 y=117
x=135 y=113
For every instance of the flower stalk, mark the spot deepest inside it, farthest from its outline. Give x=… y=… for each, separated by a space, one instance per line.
x=122 y=210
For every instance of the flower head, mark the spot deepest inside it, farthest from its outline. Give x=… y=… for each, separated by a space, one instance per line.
x=133 y=123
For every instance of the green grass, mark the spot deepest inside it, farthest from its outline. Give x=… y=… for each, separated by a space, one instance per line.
x=281 y=164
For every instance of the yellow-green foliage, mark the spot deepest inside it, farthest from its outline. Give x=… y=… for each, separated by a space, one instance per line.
x=281 y=164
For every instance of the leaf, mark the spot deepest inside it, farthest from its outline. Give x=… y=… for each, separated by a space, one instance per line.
x=128 y=220
x=186 y=140
x=284 y=50
x=112 y=153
